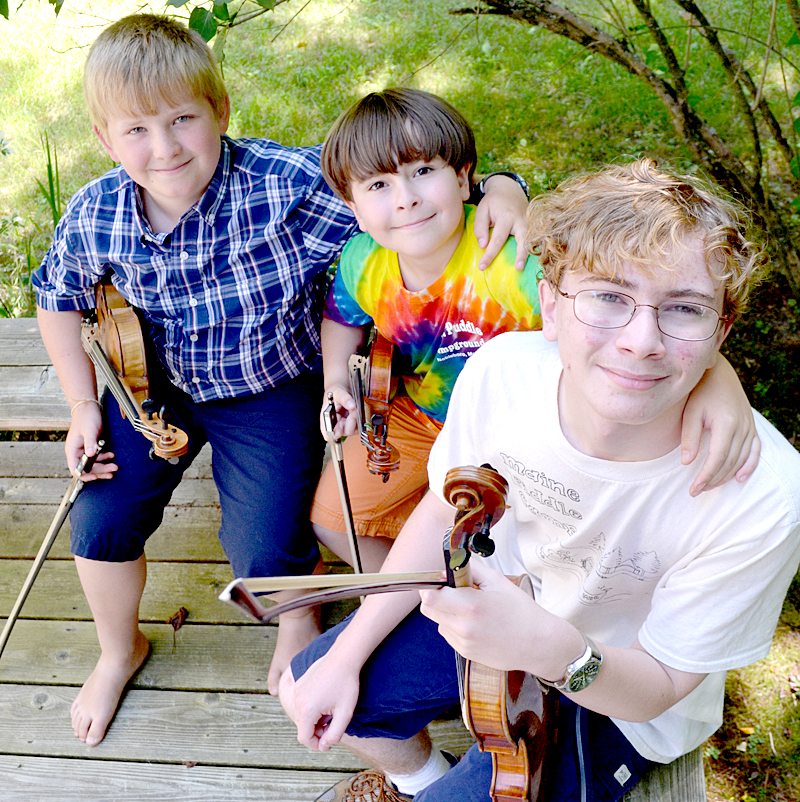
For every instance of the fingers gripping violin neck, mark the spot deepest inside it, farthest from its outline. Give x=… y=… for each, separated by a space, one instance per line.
x=114 y=343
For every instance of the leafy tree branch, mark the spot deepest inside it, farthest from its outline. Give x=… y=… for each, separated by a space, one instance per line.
x=738 y=167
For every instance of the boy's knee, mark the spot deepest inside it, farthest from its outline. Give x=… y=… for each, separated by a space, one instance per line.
x=286 y=692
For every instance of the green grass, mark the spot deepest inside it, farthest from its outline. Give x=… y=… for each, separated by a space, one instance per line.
x=539 y=105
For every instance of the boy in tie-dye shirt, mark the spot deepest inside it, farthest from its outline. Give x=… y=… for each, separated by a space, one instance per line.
x=402 y=160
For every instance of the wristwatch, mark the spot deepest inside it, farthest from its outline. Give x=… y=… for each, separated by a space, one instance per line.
x=477 y=191
x=582 y=672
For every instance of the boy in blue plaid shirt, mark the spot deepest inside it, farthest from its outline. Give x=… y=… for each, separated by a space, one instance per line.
x=223 y=244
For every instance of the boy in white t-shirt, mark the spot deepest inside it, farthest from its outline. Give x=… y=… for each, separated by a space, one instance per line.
x=644 y=595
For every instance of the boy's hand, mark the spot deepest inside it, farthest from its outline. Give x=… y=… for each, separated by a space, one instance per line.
x=345 y=406
x=733 y=450
x=321 y=703
x=485 y=623
x=719 y=404
x=82 y=438
x=499 y=215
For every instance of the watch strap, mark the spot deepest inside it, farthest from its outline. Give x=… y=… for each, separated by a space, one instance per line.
x=591 y=655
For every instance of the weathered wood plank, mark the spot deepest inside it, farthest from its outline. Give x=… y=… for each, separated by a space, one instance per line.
x=683 y=780
x=21 y=343
x=24 y=490
x=227 y=729
x=47 y=460
x=186 y=533
x=220 y=729
x=31 y=399
x=197 y=657
x=39 y=779
x=57 y=593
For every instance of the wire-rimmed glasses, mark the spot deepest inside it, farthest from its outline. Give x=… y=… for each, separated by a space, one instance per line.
x=679 y=319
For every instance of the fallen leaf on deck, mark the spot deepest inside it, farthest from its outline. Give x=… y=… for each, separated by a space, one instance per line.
x=178 y=619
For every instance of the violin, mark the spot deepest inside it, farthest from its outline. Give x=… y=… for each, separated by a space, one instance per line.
x=113 y=339
x=510 y=714
x=372 y=386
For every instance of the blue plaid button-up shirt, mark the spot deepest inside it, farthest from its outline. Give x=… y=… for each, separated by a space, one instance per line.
x=232 y=294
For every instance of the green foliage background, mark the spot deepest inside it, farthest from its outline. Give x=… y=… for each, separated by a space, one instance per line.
x=539 y=105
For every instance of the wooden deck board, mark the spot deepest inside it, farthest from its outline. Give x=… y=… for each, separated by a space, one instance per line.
x=38 y=779
x=199 y=657
x=57 y=593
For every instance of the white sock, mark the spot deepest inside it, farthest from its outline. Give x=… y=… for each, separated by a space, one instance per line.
x=437 y=766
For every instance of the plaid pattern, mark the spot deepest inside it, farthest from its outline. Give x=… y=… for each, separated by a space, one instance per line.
x=233 y=293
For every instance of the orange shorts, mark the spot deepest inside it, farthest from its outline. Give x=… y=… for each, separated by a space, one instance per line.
x=380 y=508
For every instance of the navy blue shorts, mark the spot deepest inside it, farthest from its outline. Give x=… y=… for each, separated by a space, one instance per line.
x=266 y=459
x=411 y=679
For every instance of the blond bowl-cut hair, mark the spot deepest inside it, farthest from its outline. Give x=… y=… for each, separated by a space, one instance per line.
x=638 y=214
x=145 y=60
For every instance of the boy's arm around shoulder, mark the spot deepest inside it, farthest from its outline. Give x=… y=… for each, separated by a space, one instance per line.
x=718 y=403
x=61 y=334
x=330 y=686
x=500 y=215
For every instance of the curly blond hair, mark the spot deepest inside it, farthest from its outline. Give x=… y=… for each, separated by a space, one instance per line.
x=637 y=213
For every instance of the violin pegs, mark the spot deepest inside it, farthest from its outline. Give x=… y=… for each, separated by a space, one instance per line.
x=482 y=544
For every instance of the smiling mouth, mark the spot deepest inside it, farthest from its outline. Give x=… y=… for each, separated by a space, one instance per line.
x=633 y=381
x=415 y=224
x=169 y=170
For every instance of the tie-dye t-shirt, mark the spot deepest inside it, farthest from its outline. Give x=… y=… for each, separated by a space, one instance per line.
x=440 y=327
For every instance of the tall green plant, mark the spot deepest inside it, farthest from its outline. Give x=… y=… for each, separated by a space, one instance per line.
x=51 y=192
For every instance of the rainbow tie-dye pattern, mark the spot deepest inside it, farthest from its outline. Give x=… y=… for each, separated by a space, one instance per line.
x=440 y=327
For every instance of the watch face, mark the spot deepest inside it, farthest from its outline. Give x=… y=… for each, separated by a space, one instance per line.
x=584 y=676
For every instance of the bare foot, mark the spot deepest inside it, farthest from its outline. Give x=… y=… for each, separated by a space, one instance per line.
x=296 y=630
x=98 y=699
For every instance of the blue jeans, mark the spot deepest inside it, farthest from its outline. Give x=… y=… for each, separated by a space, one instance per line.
x=266 y=459
x=411 y=679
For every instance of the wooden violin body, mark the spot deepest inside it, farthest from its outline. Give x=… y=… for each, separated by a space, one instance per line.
x=115 y=345
x=372 y=386
x=510 y=715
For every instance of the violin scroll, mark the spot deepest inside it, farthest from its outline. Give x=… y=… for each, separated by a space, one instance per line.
x=479 y=496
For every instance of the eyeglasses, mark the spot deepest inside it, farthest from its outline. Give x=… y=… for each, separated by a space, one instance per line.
x=681 y=320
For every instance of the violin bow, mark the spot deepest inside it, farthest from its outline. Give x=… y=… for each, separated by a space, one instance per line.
x=329 y=418
x=478 y=494
x=75 y=487
x=241 y=593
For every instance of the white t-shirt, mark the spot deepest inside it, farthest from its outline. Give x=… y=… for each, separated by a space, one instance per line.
x=620 y=549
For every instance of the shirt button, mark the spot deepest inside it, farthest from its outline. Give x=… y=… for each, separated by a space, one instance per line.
x=196 y=379
x=193 y=302
x=193 y=338
x=184 y=255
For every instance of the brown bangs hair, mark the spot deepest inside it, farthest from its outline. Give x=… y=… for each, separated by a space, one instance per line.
x=637 y=213
x=386 y=129
x=145 y=60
